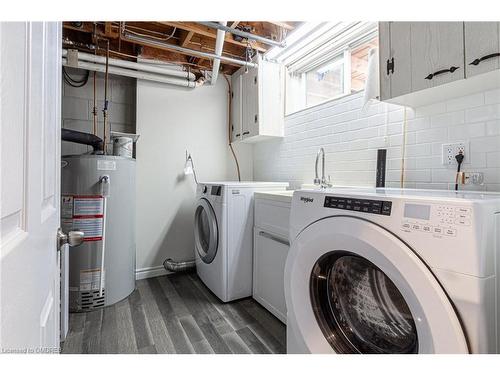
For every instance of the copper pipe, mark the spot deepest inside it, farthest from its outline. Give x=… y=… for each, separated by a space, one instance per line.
x=94 y=109
x=105 y=109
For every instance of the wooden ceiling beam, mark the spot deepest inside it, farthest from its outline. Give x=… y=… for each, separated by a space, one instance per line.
x=185 y=38
x=211 y=33
x=283 y=25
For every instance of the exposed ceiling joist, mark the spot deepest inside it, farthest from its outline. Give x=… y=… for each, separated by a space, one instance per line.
x=211 y=33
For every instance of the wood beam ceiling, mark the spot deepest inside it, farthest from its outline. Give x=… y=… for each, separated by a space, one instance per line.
x=189 y=35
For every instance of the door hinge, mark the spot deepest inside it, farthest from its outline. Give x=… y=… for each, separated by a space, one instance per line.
x=390 y=66
x=256 y=118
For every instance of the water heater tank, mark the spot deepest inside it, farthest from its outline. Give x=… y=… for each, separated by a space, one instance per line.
x=98 y=198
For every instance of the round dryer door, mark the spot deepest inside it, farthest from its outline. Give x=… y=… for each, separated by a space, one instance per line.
x=354 y=287
x=206 y=232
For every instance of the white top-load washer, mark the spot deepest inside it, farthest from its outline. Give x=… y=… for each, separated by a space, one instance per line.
x=223 y=232
x=393 y=271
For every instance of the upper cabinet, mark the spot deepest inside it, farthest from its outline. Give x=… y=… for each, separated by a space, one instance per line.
x=482 y=47
x=258 y=105
x=426 y=62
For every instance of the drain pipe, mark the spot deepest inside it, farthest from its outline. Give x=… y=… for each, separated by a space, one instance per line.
x=141 y=67
x=219 y=46
x=173 y=266
x=136 y=74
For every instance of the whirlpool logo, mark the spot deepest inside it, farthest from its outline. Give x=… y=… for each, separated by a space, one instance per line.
x=306 y=199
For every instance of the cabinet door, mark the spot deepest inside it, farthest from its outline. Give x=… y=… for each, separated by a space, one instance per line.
x=482 y=43
x=436 y=48
x=236 y=107
x=250 y=96
x=400 y=34
x=270 y=252
x=384 y=42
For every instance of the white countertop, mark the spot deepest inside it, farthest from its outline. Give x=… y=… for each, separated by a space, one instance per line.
x=275 y=195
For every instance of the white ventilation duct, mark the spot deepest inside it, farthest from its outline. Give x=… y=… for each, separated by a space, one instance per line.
x=219 y=46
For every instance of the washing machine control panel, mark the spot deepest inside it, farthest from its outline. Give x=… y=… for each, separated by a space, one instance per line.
x=361 y=205
x=439 y=220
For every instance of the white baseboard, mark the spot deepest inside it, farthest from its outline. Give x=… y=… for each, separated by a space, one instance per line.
x=146 y=273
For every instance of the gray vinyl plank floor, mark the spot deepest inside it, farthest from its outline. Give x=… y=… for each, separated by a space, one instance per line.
x=175 y=314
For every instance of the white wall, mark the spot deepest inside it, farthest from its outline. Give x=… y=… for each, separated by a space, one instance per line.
x=171 y=120
x=351 y=137
x=78 y=103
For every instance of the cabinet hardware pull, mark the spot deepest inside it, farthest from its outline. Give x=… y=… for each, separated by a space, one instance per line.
x=477 y=61
x=274 y=238
x=237 y=135
x=390 y=66
x=256 y=118
x=245 y=133
x=255 y=80
x=451 y=70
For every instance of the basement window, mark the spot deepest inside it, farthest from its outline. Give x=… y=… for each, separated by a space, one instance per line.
x=325 y=62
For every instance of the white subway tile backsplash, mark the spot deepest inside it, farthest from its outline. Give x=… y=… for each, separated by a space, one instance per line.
x=483 y=113
x=351 y=137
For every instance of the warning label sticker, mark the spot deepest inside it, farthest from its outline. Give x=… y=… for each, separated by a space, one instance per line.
x=87 y=205
x=84 y=213
x=90 y=226
x=91 y=279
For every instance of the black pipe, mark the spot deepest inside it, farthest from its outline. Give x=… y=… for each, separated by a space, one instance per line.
x=83 y=138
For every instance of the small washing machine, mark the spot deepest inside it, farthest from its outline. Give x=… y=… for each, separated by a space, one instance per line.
x=223 y=233
x=393 y=271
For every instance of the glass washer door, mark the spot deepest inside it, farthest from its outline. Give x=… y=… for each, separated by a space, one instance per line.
x=358 y=308
x=206 y=233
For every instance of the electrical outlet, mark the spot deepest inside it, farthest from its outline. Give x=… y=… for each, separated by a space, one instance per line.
x=449 y=151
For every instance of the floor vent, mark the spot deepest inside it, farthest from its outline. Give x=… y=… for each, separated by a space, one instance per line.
x=92 y=300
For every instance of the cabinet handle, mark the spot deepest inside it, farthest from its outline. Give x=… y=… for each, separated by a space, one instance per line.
x=256 y=118
x=274 y=238
x=237 y=135
x=390 y=66
x=245 y=133
x=451 y=70
x=477 y=61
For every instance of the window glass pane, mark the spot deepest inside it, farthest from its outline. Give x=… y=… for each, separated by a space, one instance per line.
x=324 y=83
x=359 y=64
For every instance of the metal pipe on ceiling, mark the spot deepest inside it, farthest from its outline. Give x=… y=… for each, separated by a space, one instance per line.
x=244 y=34
x=219 y=46
x=188 y=51
x=137 y=74
x=133 y=65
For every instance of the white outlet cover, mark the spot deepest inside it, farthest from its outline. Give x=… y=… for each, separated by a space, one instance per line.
x=449 y=150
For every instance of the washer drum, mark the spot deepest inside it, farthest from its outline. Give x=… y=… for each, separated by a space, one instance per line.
x=82 y=209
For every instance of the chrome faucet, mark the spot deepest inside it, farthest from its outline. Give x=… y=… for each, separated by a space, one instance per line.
x=322 y=183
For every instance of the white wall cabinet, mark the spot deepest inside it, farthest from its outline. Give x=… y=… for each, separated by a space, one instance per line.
x=426 y=62
x=236 y=107
x=482 y=47
x=258 y=104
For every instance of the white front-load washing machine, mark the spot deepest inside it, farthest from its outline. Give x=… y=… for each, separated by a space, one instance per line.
x=223 y=234
x=393 y=271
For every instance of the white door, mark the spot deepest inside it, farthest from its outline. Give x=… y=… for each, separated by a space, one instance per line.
x=353 y=287
x=30 y=181
x=437 y=53
x=482 y=47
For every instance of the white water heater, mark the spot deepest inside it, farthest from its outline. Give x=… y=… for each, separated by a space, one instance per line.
x=98 y=198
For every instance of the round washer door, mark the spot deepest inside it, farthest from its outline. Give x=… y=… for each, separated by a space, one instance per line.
x=206 y=232
x=354 y=287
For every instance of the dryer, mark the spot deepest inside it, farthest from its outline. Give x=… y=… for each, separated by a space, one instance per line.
x=223 y=235
x=393 y=271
